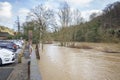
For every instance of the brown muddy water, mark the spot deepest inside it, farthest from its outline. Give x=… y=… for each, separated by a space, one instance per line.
x=62 y=63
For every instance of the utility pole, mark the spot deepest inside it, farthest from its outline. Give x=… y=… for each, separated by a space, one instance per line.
x=18 y=24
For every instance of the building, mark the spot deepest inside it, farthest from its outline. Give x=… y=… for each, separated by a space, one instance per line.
x=4 y=35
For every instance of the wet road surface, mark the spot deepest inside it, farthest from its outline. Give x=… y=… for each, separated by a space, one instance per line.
x=61 y=63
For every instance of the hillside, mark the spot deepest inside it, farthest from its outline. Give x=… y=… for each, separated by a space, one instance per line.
x=103 y=28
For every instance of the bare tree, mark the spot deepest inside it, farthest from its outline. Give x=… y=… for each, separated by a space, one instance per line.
x=77 y=19
x=64 y=14
x=43 y=17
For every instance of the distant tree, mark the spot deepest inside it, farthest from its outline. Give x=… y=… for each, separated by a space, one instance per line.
x=111 y=17
x=111 y=20
x=92 y=16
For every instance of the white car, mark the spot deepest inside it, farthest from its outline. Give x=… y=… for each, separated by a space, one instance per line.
x=6 y=56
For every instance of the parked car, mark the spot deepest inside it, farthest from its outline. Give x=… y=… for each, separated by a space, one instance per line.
x=6 y=56
x=17 y=42
x=8 y=45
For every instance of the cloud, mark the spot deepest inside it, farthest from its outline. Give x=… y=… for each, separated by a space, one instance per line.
x=5 y=11
x=6 y=14
x=80 y=2
x=22 y=13
x=77 y=3
x=72 y=3
x=87 y=13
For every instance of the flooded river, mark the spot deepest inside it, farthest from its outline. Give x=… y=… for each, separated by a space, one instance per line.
x=61 y=63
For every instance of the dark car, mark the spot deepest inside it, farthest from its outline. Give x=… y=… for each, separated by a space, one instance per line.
x=8 y=45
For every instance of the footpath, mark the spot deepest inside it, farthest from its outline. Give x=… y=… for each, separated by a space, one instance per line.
x=21 y=70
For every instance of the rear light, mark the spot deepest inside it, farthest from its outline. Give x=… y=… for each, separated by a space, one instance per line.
x=15 y=46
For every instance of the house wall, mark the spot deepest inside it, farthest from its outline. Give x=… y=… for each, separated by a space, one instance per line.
x=2 y=38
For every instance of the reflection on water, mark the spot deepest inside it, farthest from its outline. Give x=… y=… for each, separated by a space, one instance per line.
x=60 y=63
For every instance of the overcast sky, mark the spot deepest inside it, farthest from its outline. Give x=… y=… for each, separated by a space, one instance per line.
x=10 y=9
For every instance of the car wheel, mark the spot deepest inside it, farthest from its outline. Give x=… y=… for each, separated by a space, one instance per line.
x=0 y=62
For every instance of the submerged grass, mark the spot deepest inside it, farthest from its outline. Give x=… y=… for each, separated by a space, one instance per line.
x=103 y=47
x=80 y=46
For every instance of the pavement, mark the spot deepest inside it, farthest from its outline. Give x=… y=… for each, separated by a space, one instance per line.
x=35 y=70
x=20 y=71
